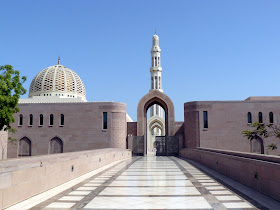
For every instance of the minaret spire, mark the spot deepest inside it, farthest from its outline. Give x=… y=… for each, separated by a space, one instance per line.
x=59 y=59
x=156 y=70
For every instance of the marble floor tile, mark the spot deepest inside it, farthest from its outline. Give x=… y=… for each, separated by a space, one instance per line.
x=150 y=191
x=71 y=198
x=152 y=183
x=146 y=177
x=205 y=181
x=210 y=184
x=236 y=205
x=196 y=202
x=85 y=188
x=92 y=184
x=57 y=205
x=228 y=198
x=215 y=188
x=221 y=192
x=79 y=193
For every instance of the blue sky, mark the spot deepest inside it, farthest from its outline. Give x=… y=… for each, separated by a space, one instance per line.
x=211 y=50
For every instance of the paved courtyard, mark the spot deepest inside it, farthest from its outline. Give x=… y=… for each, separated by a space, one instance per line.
x=141 y=183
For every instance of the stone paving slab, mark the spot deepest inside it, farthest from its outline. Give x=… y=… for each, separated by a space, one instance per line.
x=149 y=183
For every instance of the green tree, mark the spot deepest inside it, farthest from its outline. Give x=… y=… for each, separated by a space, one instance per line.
x=11 y=87
x=274 y=131
x=258 y=133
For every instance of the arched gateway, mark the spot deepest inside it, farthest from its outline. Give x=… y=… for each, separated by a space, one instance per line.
x=159 y=98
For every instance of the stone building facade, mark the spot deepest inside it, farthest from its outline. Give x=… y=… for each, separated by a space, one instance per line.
x=219 y=124
x=83 y=127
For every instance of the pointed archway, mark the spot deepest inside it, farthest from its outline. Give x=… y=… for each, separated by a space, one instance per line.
x=154 y=97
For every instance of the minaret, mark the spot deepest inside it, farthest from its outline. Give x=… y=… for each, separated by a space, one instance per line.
x=156 y=74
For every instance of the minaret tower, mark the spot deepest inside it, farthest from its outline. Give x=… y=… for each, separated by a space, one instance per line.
x=156 y=70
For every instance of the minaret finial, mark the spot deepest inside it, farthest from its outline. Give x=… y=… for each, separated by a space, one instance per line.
x=155 y=31
x=58 y=58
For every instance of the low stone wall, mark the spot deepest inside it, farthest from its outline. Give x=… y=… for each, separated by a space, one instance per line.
x=25 y=177
x=260 y=172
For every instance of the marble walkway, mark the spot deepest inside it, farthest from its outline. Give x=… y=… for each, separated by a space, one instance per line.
x=142 y=183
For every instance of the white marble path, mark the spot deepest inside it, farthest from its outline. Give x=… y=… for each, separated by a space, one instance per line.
x=142 y=183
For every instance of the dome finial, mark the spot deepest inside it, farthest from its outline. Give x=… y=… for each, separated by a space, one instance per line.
x=58 y=58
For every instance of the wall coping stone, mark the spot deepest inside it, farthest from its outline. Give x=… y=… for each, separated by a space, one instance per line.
x=15 y=164
x=261 y=157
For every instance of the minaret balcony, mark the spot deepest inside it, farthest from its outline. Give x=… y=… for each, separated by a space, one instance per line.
x=156 y=68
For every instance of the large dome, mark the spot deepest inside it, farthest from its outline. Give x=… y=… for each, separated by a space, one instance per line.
x=58 y=81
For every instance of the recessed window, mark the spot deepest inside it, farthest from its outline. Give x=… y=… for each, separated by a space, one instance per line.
x=104 y=120
x=62 y=119
x=41 y=120
x=249 y=115
x=205 y=119
x=30 y=120
x=260 y=117
x=156 y=82
x=51 y=120
x=271 y=120
x=20 y=120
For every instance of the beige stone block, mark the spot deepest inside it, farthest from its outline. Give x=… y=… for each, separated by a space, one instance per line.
x=5 y=180
x=1 y=199
x=10 y=196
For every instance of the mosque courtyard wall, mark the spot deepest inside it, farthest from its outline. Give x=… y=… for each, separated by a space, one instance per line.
x=226 y=121
x=82 y=129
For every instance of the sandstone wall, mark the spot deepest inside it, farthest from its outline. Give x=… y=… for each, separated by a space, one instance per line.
x=226 y=121
x=260 y=172
x=82 y=129
x=25 y=177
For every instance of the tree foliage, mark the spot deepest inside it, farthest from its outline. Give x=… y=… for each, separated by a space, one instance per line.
x=11 y=87
x=258 y=133
x=262 y=131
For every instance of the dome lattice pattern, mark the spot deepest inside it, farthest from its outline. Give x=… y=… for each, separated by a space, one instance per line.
x=57 y=79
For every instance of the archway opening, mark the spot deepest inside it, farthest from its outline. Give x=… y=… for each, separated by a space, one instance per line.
x=155 y=126
x=154 y=97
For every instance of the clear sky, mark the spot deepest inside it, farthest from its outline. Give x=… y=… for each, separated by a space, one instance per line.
x=211 y=50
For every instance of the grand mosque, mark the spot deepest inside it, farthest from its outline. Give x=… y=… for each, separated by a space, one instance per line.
x=48 y=121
